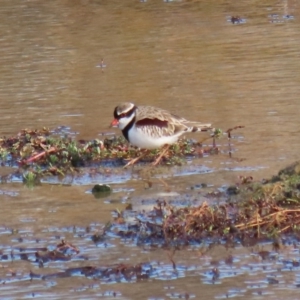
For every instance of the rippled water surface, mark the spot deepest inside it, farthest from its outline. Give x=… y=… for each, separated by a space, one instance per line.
x=69 y=62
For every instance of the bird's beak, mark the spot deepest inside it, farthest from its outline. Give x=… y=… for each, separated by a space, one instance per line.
x=114 y=123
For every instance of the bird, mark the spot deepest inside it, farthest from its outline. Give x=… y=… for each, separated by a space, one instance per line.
x=150 y=127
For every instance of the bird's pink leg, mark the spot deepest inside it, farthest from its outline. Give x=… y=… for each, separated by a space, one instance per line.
x=163 y=152
x=134 y=160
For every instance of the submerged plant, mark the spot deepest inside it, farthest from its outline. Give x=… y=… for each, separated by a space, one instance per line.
x=30 y=179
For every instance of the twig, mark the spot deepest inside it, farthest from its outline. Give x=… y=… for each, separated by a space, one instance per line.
x=38 y=156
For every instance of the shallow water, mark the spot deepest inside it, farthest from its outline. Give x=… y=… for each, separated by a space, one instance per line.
x=184 y=56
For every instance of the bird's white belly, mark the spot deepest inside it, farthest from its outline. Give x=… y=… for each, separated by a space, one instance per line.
x=140 y=139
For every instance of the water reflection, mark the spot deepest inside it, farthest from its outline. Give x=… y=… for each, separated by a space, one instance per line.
x=183 y=56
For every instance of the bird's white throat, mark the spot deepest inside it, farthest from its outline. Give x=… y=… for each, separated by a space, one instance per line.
x=124 y=121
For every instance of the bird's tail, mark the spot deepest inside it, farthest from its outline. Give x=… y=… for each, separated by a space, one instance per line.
x=200 y=127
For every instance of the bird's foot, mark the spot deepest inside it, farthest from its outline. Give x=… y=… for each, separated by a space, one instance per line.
x=157 y=161
x=134 y=160
x=163 y=152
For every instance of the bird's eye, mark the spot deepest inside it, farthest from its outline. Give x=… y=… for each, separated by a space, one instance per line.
x=122 y=115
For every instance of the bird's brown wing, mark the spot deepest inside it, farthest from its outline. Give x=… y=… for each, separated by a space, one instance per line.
x=152 y=122
x=154 y=127
x=159 y=122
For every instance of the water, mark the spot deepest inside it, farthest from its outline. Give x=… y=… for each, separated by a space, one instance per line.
x=70 y=62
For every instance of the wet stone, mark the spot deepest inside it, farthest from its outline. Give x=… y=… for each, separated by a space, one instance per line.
x=101 y=190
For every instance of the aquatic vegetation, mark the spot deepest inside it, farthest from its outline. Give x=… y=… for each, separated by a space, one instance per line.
x=48 y=153
x=30 y=178
x=253 y=211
